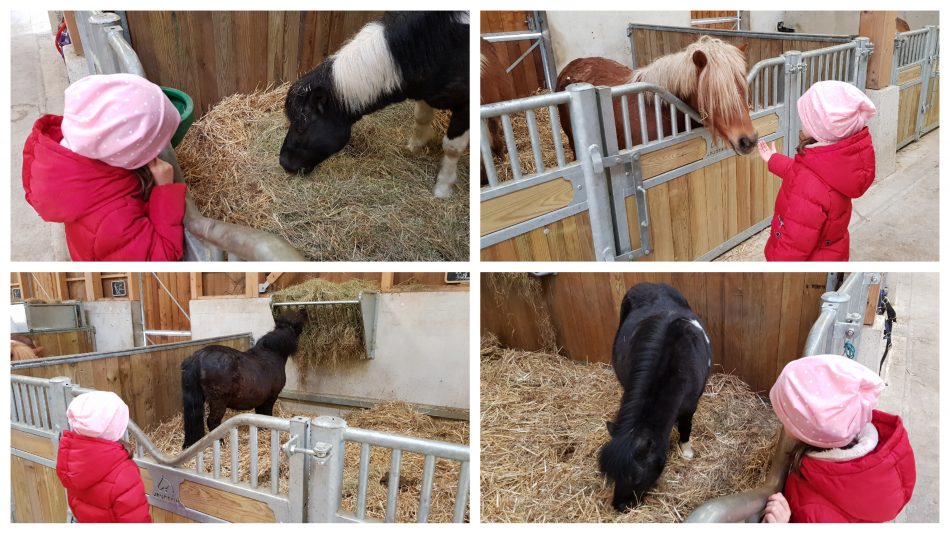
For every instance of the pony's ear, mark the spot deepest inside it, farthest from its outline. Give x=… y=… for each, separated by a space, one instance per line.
x=318 y=98
x=611 y=428
x=700 y=60
x=743 y=47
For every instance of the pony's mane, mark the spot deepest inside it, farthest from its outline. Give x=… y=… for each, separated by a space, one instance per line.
x=714 y=88
x=282 y=340
x=364 y=69
x=648 y=341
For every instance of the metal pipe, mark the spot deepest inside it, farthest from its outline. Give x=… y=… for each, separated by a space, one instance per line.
x=641 y=110
x=504 y=37
x=252 y=437
x=216 y=459
x=142 y=312
x=168 y=333
x=362 y=482
x=461 y=494
x=126 y=58
x=556 y=133
x=514 y=159
x=441 y=449
x=234 y=454
x=274 y=461
x=488 y=163
x=313 y=302
x=425 y=498
x=625 y=116
x=535 y=141
x=392 y=490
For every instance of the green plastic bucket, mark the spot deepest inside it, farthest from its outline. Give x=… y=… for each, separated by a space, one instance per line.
x=185 y=107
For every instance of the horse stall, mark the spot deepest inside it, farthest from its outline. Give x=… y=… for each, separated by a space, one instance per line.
x=548 y=388
x=652 y=183
x=917 y=72
x=54 y=328
x=318 y=458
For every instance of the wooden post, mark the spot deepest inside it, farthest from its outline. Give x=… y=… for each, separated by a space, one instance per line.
x=73 y=31
x=196 y=285
x=62 y=287
x=386 y=281
x=251 y=288
x=880 y=27
x=874 y=290
x=93 y=283
x=133 y=285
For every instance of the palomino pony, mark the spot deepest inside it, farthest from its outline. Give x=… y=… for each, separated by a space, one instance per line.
x=228 y=378
x=709 y=75
x=661 y=358
x=422 y=56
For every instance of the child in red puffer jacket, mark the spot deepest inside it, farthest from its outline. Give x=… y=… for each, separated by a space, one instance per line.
x=103 y=484
x=834 y=165
x=97 y=170
x=853 y=464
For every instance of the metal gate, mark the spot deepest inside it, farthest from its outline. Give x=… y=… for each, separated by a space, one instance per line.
x=310 y=491
x=916 y=71
x=675 y=196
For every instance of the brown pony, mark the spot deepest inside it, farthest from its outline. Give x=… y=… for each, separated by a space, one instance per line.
x=23 y=348
x=709 y=75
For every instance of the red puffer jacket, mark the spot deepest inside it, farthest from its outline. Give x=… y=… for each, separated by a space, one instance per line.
x=102 y=484
x=871 y=489
x=813 y=207
x=104 y=220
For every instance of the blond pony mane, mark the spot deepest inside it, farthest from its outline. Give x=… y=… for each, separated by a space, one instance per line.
x=715 y=88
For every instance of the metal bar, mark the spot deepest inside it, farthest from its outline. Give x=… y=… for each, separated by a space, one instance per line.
x=297 y=468
x=18 y=400
x=504 y=37
x=362 y=482
x=234 y=454
x=674 y=120
x=442 y=449
x=625 y=115
x=717 y=20
x=34 y=410
x=170 y=295
x=535 y=140
x=126 y=59
x=556 y=133
x=142 y=312
x=14 y=411
x=756 y=92
x=216 y=459
x=425 y=497
x=252 y=437
x=326 y=470
x=641 y=109
x=461 y=494
x=548 y=63
x=523 y=56
x=488 y=162
x=518 y=105
x=658 y=115
x=392 y=489
x=44 y=414
x=514 y=159
x=312 y=302
x=169 y=333
x=200 y=462
x=274 y=462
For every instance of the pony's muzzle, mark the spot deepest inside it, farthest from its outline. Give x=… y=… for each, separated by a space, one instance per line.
x=746 y=144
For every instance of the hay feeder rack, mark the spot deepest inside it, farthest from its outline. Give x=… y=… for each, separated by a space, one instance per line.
x=367 y=302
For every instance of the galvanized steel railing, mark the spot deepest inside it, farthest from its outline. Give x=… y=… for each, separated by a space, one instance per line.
x=911 y=48
x=918 y=49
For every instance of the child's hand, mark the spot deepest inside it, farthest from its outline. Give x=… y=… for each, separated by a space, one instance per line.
x=776 y=509
x=162 y=171
x=766 y=151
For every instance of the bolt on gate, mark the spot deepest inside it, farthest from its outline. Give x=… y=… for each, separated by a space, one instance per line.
x=916 y=70
x=659 y=194
x=314 y=451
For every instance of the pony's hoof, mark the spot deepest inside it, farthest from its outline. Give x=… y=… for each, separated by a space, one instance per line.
x=687 y=450
x=442 y=191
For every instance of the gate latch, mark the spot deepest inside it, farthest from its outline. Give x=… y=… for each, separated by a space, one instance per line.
x=596 y=158
x=319 y=450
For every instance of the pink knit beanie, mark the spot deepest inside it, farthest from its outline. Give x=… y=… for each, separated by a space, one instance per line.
x=831 y=110
x=121 y=119
x=825 y=400
x=98 y=414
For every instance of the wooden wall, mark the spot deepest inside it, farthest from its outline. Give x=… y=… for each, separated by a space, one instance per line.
x=757 y=322
x=63 y=342
x=214 y=54
x=37 y=495
x=215 y=285
x=528 y=77
x=148 y=380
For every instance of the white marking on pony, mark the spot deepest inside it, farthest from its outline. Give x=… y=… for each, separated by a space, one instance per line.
x=695 y=323
x=448 y=169
x=423 y=132
x=462 y=17
x=364 y=69
x=687 y=450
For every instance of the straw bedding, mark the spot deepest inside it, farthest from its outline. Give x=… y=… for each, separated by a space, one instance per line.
x=506 y=286
x=519 y=126
x=395 y=417
x=334 y=333
x=543 y=423
x=370 y=202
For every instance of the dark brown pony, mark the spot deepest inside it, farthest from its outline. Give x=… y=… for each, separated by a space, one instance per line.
x=496 y=86
x=709 y=75
x=228 y=378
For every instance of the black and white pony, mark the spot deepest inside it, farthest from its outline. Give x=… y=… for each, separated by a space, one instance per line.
x=422 y=56
x=662 y=358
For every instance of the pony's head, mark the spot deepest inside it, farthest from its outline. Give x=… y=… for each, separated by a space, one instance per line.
x=710 y=76
x=319 y=125
x=633 y=461
x=295 y=319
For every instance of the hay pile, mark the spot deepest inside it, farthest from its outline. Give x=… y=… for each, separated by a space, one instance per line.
x=334 y=334
x=370 y=202
x=542 y=425
x=396 y=417
x=506 y=286
x=519 y=126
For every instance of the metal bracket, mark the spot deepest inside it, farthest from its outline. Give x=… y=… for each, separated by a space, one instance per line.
x=320 y=449
x=596 y=158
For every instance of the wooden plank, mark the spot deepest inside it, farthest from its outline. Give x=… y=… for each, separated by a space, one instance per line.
x=680 y=218
x=907 y=75
x=661 y=224
x=33 y=444
x=37 y=495
x=874 y=291
x=880 y=27
x=385 y=281
x=672 y=157
x=520 y=206
x=698 y=218
x=715 y=210
x=729 y=175
x=766 y=124
x=223 y=504
x=743 y=208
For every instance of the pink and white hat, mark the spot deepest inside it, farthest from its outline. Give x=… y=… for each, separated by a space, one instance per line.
x=831 y=110
x=121 y=119
x=825 y=400
x=98 y=414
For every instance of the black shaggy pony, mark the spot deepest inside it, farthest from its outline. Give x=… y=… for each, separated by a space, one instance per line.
x=228 y=378
x=662 y=358
x=422 y=56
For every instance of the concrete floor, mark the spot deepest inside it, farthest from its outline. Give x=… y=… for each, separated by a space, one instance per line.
x=36 y=89
x=881 y=226
x=913 y=378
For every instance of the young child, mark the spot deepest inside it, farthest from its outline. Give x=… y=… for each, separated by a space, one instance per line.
x=96 y=169
x=103 y=484
x=853 y=463
x=834 y=165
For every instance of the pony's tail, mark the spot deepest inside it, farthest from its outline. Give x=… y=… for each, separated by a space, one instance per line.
x=193 y=400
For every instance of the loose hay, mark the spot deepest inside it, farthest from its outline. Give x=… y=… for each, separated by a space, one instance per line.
x=505 y=286
x=543 y=423
x=371 y=202
x=395 y=417
x=334 y=333
x=519 y=126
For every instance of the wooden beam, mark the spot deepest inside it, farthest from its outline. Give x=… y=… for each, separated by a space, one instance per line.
x=132 y=282
x=272 y=277
x=251 y=281
x=197 y=289
x=93 y=283
x=874 y=290
x=62 y=287
x=880 y=27
x=386 y=281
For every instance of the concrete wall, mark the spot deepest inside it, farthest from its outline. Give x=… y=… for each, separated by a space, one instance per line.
x=829 y=22
x=421 y=339
x=116 y=324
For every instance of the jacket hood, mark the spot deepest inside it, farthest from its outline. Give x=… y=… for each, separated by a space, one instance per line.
x=61 y=185
x=846 y=166
x=83 y=461
x=872 y=488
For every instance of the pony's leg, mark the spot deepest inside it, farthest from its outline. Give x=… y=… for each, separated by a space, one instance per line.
x=423 y=132
x=267 y=408
x=215 y=414
x=453 y=144
x=685 y=429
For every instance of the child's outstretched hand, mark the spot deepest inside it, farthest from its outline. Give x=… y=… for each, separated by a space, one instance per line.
x=162 y=171
x=776 y=509
x=766 y=151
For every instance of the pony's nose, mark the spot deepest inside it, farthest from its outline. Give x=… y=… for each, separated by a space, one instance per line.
x=746 y=144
